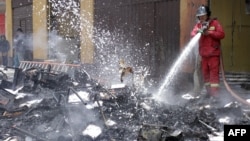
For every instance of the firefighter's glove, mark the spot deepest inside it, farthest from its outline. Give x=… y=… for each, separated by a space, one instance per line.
x=204 y=27
x=200 y=31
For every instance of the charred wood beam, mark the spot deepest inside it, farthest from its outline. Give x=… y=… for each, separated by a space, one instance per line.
x=154 y=125
x=157 y=126
x=67 y=114
x=107 y=91
x=96 y=99
x=103 y=116
x=9 y=94
x=59 y=95
x=208 y=126
x=29 y=134
x=75 y=92
x=5 y=77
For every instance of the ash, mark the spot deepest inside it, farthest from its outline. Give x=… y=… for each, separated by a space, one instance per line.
x=43 y=106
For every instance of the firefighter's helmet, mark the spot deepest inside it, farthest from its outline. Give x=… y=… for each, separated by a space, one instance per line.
x=203 y=10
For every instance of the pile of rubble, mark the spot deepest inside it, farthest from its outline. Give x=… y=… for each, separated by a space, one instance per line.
x=38 y=105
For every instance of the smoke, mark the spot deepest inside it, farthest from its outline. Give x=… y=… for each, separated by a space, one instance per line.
x=37 y=40
x=110 y=46
x=166 y=88
x=90 y=123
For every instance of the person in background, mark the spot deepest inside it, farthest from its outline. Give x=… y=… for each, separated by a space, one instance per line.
x=5 y=47
x=209 y=48
x=19 y=47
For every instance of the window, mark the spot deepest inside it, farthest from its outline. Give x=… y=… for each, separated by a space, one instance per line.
x=247 y=6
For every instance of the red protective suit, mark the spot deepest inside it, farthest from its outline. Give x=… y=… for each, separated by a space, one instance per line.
x=209 y=50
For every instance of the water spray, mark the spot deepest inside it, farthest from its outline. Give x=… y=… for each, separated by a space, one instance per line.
x=178 y=63
x=176 y=67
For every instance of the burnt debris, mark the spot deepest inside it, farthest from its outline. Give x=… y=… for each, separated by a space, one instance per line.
x=45 y=105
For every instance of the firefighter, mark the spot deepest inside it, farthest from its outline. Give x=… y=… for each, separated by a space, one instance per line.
x=209 y=48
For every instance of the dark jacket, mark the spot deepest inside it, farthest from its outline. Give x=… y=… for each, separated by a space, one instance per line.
x=19 y=44
x=4 y=46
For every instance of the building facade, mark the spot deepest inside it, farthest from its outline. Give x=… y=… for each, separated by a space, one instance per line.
x=144 y=32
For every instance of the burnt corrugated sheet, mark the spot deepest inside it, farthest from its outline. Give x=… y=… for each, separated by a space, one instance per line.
x=22 y=17
x=146 y=32
x=167 y=32
x=21 y=3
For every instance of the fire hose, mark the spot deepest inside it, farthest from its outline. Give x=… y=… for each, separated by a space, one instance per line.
x=229 y=89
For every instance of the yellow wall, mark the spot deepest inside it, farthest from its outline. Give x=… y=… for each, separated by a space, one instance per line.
x=8 y=24
x=87 y=48
x=236 y=44
x=40 y=41
x=235 y=48
x=40 y=30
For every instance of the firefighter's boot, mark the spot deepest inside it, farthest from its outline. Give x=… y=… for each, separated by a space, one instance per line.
x=214 y=91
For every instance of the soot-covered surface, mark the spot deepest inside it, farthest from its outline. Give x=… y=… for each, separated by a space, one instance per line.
x=88 y=111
